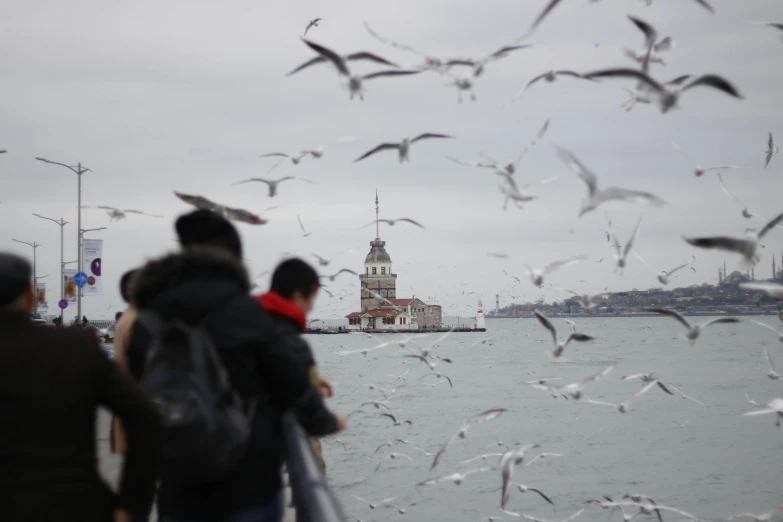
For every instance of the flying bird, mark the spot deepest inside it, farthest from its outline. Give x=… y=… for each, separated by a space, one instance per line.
x=395 y=421
x=622 y=253
x=312 y=23
x=550 y=76
x=773 y=406
x=305 y=233
x=774 y=290
x=694 y=329
x=574 y=389
x=745 y=212
x=508 y=462
x=772 y=149
x=746 y=246
x=392 y=456
x=403 y=147
x=355 y=82
x=271 y=183
x=779 y=334
x=763 y=517
x=668 y=97
x=232 y=214
x=478 y=64
x=665 y=277
x=342 y=271
x=374 y=505
x=774 y=25
x=456 y=478
x=116 y=214
x=537 y=274
x=772 y=374
x=698 y=169
x=559 y=347
x=295 y=158
x=598 y=196
x=461 y=433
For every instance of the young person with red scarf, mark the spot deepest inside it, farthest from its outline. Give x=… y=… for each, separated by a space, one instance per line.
x=292 y=295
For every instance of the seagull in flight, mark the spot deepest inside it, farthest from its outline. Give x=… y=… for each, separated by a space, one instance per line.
x=355 y=82
x=763 y=517
x=524 y=489
x=772 y=374
x=779 y=334
x=537 y=274
x=751 y=401
x=395 y=421
x=403 y=147
x=391 y=222
x=550 y=76
x=392 y=456
x=482 y=457
x=400 y=510
x=668 y=97
x=536 y=519
x=508 y=462
x=559 y=347
x=774 y=290
x=774 y=25
x=362 y=55
x=773 y=406
x=698 y=169
x=665 y=277
x=456 y=478
x=575 y=389
x=478 y=64
x=232 y=214
x=271 y=183
x=644 y=56
x=694 y=329
x=295 y=158
x=116 y=214
x=745 y=212
x=342 y=271
x=374 y=505
x=647 y=378
x=746 y=246
x=391 y=444
x=461 y=433
x=312 y=23
x=598 y=196
x=622 y=253
x=772 y=149
x=305 y=233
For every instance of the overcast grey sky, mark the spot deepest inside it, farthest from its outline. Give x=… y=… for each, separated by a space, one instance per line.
x=184 y=95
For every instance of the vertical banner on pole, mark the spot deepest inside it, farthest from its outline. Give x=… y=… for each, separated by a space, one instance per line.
x=93 y=251
x=40 y=297
x=69 y=285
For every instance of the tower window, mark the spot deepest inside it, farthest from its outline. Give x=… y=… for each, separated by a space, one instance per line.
x=373 y=270
x=383 y=270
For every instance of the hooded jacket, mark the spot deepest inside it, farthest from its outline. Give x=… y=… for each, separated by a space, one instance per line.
x=187 y=286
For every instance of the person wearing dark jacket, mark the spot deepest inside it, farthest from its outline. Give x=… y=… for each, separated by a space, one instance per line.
x=52 y=382
x=211 y=279
x=291 y=297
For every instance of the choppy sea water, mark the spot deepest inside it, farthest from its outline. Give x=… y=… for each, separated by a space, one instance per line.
x=718 y=465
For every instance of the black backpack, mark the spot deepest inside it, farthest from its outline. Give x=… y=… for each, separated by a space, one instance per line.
x=206 y=424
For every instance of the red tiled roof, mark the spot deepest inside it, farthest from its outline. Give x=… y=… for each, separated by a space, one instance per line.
x=355 y=314
x=402 y=302
x=378 y=312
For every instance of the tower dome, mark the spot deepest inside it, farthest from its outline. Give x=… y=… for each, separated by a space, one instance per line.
x=377 y=253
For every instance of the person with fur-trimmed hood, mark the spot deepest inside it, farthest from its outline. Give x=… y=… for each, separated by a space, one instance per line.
x=208 y=277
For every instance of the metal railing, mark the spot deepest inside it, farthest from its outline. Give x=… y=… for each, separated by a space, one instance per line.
x=313 y=499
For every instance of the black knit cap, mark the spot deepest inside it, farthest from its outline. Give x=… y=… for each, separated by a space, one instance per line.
x=206 y=228
x=15 y=276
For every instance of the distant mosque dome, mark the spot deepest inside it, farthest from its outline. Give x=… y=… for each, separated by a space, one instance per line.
x=737 y=276
x=377 y=253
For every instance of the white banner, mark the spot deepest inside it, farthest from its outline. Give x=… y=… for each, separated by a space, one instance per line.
x=93 y=249
x=40 y=297
x=69 y=285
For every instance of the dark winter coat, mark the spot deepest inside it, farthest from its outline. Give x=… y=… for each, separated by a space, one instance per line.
x=52 y=382
x=188 y=286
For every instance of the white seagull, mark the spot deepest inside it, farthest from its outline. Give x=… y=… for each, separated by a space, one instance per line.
x=403 y=147
x=295 y=158
x=773 y=406
x=233 y=214
x=772 y=149
x=559 y=347
x=456 y=478
x=361 y=55
x=312 y=23
x=536 y=519
x=746 y=246
x=392 y=456
x=355 y=85
x=772 y=374
x=747 y=214
x=779 y=334
x=482 y=457
x=536 y=275
x=598 y=196
x=621 y=255
x=665 y=277
x=508 y=462
x=374 y=505
x=305 y=233
x=478 y=64
x=763 y=517
x=668 y=97
x=698 y=169
x=647 y=378
x=271 y=183
x=391 y=222
x=694 y=329
x=751 y=401
x=463 y=429
x=116 y=214
x=771 y=289
x=774 y=25
x=575 y=389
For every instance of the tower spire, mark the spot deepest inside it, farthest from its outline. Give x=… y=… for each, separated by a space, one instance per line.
x=377 y=228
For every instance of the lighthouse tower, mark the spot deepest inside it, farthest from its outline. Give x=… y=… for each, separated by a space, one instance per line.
x=377 y=281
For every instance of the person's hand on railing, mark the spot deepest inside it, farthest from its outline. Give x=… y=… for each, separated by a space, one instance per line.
x=342 y=421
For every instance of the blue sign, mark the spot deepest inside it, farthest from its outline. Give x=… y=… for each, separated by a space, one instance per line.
x=80 y=279
x=63 y=304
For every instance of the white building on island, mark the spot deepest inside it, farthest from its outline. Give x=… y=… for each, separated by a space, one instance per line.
x=380 y=307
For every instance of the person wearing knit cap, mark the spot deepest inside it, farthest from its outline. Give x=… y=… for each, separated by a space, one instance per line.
x=204 y=227
x=52 y=383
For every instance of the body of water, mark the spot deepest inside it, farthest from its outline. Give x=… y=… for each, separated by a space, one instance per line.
x=719 y=464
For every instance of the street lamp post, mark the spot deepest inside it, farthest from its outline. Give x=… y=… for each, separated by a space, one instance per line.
x=78 y=170
x=35 y=247
x=62 y=224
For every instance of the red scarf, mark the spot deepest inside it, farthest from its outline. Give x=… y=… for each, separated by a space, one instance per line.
x=276 y=304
